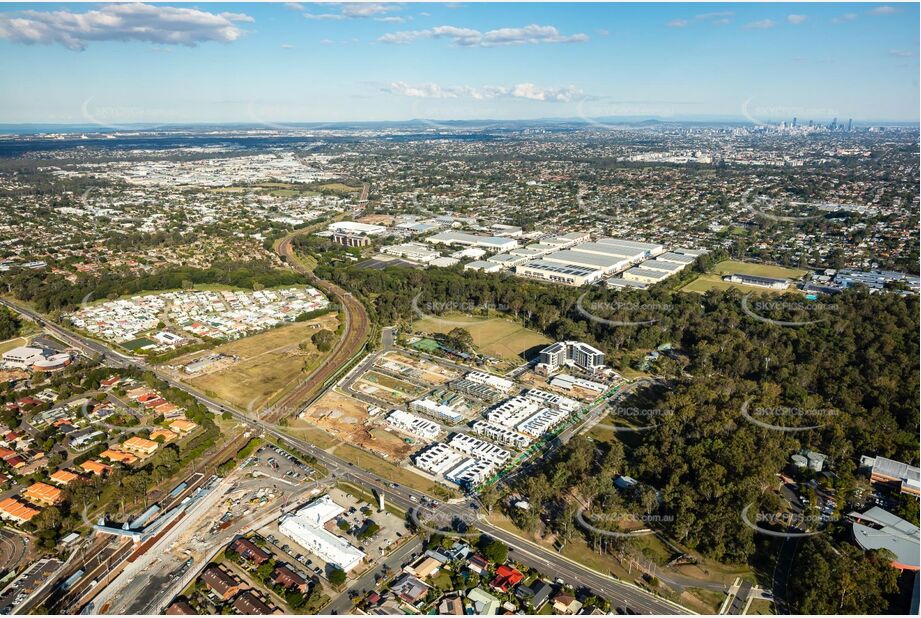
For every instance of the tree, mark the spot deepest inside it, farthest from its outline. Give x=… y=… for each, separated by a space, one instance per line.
x=494 y=550
x=841 y=580
x=461 y=339
x=337 y=577
x=324 y=340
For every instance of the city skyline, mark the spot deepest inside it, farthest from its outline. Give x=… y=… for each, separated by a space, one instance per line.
x=116 y=65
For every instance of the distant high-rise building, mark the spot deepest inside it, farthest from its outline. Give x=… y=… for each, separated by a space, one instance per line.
x=794 y=122
x=850 y=123
x=834 y=123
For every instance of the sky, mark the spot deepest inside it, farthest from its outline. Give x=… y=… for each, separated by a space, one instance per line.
x=117 y=64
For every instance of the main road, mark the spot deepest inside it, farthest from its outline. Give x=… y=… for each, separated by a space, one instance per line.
x=617 y=591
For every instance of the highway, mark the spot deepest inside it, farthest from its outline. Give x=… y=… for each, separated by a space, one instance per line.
x=615 y=590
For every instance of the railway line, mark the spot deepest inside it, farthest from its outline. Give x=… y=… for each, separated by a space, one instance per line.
x=355 y=329
x=355 y=332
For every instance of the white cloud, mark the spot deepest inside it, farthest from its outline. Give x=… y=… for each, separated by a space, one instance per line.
x=902 y=53
x=844 y=18
x=391 y=19
x=796 y=19
x=468 y=37
x=164 y=25
x=294 y=6
x=761 y=24
x=535 y=93
x=716 y=17
x=884 y=10
x=356 y=10
x=367 y=9
x=518 y=91
x=287 y=46
x=324 y=16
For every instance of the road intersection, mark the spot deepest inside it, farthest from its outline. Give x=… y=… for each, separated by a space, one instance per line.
x=617 y=591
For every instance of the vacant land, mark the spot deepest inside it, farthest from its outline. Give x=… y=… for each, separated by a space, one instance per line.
x=418 y=368
x=497 y=337
x=266 y=364
x=338 y=187
x=387 y=220
x=729 y=267
x=343 y=419
x=387 y=388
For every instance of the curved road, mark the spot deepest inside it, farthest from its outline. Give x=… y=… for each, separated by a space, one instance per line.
x=617 y=591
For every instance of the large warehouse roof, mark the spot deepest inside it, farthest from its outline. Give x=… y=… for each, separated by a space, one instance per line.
x=567 y=256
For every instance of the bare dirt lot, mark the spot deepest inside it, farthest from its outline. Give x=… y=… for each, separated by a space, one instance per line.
x=419 y=368
x=387 y=388
x=347 y=420
x=377 y=219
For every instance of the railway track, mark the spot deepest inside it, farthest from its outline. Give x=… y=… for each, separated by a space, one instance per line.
x=355 y=330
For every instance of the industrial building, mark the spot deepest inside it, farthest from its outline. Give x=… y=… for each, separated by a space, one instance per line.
x=648 y=248
x=677 y=258
x=490 y=243
x=486 y=267
x=507 y=260
x=631 y=254
x=621 y=283
x=306 y=528
x=353 y=227
x=663 y=265
x=567 y=274
x=565 y=240
x=608 y=264
x=412 y=251
x=645 y=275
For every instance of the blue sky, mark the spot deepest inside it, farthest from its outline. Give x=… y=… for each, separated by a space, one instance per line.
x=277 y=63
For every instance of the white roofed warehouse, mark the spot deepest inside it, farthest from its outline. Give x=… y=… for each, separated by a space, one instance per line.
x=306 y=528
